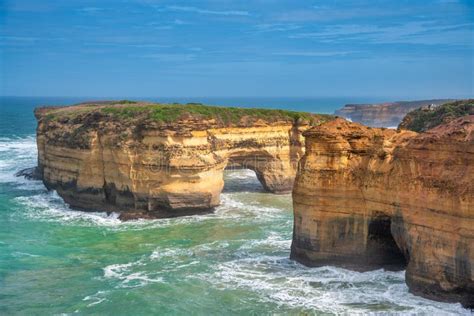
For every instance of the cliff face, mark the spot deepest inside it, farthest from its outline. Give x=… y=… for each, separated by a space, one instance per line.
x=366 y=198
x=125 y=158
x=384 y=114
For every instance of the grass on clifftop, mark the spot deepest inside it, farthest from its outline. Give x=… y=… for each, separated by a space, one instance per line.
x=172 y=112
x=423 y=119
x=169 y=113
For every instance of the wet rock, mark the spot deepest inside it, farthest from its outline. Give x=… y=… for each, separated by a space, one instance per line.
x=30 y=173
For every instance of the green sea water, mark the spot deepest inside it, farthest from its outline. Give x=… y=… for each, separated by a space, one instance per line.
x=54 y=260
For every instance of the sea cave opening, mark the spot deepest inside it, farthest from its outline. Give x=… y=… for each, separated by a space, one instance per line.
x=383 y=249
x=242 y=173
x=240 y=179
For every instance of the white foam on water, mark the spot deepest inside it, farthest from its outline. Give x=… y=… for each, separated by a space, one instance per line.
x=17 y=154
x=96 y=298
x=231 y=207
x=128 y=277
x=48 y=206
x=20 y=153
x=24 y=254
x=217 y=245
x=326 y=289
x=21 y=145
x=274 y=241
x=174 y=253
x=242 y=174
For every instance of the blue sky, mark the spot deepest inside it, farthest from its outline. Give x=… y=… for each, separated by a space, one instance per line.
x=393 y=49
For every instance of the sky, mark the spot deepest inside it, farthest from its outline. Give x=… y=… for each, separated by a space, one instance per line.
x=257 y=48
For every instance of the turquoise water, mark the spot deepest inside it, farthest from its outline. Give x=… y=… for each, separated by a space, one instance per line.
x=55 y=260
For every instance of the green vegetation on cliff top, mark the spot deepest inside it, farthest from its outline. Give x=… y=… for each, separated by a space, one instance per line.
x=424 y=118
x=169 y=113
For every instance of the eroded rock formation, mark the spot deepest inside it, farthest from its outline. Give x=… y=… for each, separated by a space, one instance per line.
x=366 y=198
x=129 y=157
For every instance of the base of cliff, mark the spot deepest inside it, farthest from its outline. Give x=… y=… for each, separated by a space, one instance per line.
x=134 y=215
x=430 y=290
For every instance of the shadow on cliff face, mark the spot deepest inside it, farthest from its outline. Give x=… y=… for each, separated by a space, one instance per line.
x=381 y=245
x=241 y=180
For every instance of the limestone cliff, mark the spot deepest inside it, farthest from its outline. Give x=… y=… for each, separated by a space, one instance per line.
x=151 y=160
x=387 y=114
x=366 y=198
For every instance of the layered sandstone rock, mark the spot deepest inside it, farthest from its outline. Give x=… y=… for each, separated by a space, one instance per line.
x=127 y=157
x=366 y=198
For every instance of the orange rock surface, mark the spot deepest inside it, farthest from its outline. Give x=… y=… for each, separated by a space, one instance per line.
x=366 y=198
x=146 y=168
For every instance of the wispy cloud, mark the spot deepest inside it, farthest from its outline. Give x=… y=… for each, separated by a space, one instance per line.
x=148 y=45
x=24 y=39
x=408 y=33
x=206 y=11
x=28 y=41
x=168 y=57
x=167 y=25
x=276 y=27
x=180 y=22
x=447 y=1
x=90 y=10
x=314 y=53
x=326 y=13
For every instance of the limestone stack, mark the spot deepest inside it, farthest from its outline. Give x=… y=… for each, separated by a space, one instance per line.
x=126 y=157
x=366 y=198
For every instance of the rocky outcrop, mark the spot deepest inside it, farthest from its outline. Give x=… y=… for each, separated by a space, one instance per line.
x=366 y=198
x=387 y=114
x=149 y=160
x=426 y=118
x=30 y=173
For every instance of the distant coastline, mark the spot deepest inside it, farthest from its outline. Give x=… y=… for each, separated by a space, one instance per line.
x=386 y=114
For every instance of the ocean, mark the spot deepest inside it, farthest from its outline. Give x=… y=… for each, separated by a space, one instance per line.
x=55 y=260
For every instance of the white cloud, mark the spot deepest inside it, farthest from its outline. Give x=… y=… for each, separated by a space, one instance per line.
x=408 y=33
x=276 y=27
x=90 y=10
x=180 y=22
x=447 y=1
x=313 y=53
x=205 y=11
x=19 y=38
x=166 y=57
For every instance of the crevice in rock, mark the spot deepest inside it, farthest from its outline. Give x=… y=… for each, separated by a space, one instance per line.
x=382 y=246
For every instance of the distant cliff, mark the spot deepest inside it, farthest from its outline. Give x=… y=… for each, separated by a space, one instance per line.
x=425 y=118
x=160 y=160
x=388 y=114
x=367 y=198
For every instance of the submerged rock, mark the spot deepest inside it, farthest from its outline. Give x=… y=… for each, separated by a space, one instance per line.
x=366 y=198
x=30 y=173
